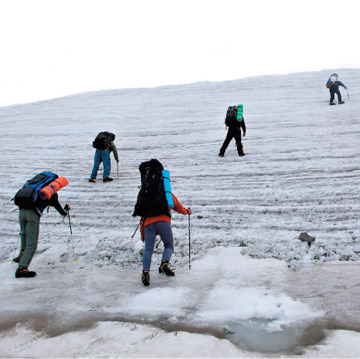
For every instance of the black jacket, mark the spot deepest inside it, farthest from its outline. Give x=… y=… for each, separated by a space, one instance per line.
x=336 y=85
x=53 y=202
x=241 y=124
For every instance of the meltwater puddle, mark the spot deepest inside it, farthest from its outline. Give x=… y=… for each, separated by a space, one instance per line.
x=259 y=335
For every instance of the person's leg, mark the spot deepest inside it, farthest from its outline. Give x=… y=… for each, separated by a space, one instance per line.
x=31 y=236
x=150 y=235
x=22 y=222
x=97 y=161
x=164 y=230
x=106 y=161
x=332 y=95
x=237 y=135
x=225 y=145
x=339 y=96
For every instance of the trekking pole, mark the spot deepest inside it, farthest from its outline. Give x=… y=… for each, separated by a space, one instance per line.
x=16 y=247
x=117 y=170
x=137 y=227
x=189 y=241
x=348 y=94
x=158 y=243
x=67 y=208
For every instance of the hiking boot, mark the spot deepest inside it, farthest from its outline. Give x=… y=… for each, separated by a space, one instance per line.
x=221 y=155
x=242 y=154
x=93 y=180
x=165 y=269
x=107 y=179
x=145 y=278
x=341 y=102
x=332 y=103
x=18 y=258
x=23 y=272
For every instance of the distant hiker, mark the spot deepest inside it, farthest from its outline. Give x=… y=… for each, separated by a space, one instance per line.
x=234 y=120
x=333 y=86
x=154 y=210
x=104 y=145
x=31 y=205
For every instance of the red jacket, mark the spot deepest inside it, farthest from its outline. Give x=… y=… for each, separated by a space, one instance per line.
x=178 y=207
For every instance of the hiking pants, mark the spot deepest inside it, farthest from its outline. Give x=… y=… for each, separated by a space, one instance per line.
x=29 y=234
x=334 y=89
x=151 y=231
x=233 y=132
x=104 y=157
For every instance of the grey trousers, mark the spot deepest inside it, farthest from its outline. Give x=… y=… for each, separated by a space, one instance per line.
x=29 y=234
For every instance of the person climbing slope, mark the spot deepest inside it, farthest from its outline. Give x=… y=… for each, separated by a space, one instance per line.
x=234 y=120
x=333 y=85
x=104 y=145
x=155 y=220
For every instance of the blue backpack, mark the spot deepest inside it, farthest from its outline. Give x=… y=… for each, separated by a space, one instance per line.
x=27 y=196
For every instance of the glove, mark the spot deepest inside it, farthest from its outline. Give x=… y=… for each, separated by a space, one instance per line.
x=189 y=211
x=244 y=134
x=67 y=207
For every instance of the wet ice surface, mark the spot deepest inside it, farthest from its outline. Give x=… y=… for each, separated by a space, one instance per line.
x=254 y=289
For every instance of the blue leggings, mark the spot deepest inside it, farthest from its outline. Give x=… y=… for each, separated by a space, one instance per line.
x=151 y=231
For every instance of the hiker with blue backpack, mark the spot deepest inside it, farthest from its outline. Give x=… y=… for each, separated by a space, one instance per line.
x=333 y=85
x=154 y=203
x=235 y=121
x=104 y=145
x=31 y=206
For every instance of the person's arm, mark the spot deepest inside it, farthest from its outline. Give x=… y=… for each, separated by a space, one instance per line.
x=339 y=83
x=113 y=148
x=178 y=207
x=54 y=202
x=243 y=126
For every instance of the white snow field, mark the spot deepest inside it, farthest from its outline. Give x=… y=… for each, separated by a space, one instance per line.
x=254 y=289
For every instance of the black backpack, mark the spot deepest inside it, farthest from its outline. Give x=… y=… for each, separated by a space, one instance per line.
x=230 y=119
x=151 y=200
x=103 y=140
x=27 y=196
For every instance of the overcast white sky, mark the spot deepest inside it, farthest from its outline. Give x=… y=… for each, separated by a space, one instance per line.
x=52 y=48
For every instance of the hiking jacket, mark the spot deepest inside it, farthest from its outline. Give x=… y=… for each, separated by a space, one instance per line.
x=178 y=207
x=53 y=202
x=240 y=124
x=339 y=83
x=336 y=84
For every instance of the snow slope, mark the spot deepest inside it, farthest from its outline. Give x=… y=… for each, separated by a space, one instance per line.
x=254 y=289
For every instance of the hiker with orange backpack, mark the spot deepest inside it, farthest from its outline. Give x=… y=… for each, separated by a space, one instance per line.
x=31 y=206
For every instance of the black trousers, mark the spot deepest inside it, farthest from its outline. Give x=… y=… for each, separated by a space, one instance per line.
x=233 y=132
x=334 y=90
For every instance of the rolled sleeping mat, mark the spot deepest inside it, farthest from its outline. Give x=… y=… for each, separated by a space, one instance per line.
x=167 y=188
x=46 y=192
x=240 y=111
